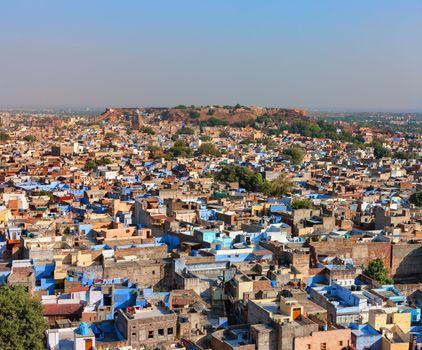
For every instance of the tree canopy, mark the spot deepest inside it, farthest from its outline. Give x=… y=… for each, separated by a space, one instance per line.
x=213 y=121
x=185 y=131
x=194 y=114
x=29 y=138
x=4 y=136
x=377 y=271
x=294 y=154
x=21 y=319
x=110 y=136
x=92 y=164
x=253 y=181
x=379 y=150
x=302 y=203
x=416 y=199
x=247 y=179
x=281 y=186
x=208 y=149
x=147 y=130
x=180 y=149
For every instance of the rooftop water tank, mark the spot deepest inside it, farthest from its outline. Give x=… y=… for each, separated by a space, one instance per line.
x=218 y=247
x=273 y=284
x=194 y=252
x=83 y=328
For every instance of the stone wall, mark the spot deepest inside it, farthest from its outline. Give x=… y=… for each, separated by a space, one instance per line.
x=406 y=260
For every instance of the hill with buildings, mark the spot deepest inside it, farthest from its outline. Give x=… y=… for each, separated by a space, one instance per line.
x=205 y=115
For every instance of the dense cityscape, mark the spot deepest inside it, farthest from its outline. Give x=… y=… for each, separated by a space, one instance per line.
x=210 y=227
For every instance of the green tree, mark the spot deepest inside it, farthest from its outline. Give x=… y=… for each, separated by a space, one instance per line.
x=21 y=319
x=305 y=128
x=4 y=136
x=45 y=193
x=213 y=121
x=405 y=155
x=294 y=154
x=246 y=141
x=377 y=271
x=110 y=136
x=302 y=203
x=379 y=150
x=208 y=149
x=237 y=173
x=416 y=199
x=205 y=138
x=90 y=165
x=147 y=130
x=194 y=114
x=93 y=164
x=103 y=161
x=185 y=131
x=156 y=151
x=281 y=186
x=29 y=138
x=180 y=149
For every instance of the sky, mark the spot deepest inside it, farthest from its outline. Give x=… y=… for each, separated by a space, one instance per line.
x=312 y=54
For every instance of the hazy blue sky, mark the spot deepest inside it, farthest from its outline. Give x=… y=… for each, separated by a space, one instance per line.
x=354 y=54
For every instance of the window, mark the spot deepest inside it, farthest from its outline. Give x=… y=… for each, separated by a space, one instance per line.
x=161 y=332
x=308 y=346
x=153 y=272
x=150 y=334
x=169 y=331
x=323 y=346
x=340 y=343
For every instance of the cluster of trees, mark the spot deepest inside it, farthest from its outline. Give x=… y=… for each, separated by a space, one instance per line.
x=322 y=129
x=254 y=182
x=301 y=203
x=208 y=149
x=29 y=138
x=244 y=123
x=156 y=151
x=416 y=199
x=405 y=155
x=205 y=138
x=185 y=131
x=4 y=136
x=294 y=154
x=179 y=149
x=21 y=319
x=182 y=149
x=110 y=136
x=268 y=142
x=379 y=150
x=213 y=121
x=94 y=163
x=147 y=130
x=194 y=114
x=45 y=193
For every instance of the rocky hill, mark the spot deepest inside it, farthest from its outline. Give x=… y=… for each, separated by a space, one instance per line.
x=197 y=115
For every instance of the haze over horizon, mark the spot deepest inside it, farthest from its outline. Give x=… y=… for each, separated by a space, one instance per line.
x=328 y=55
